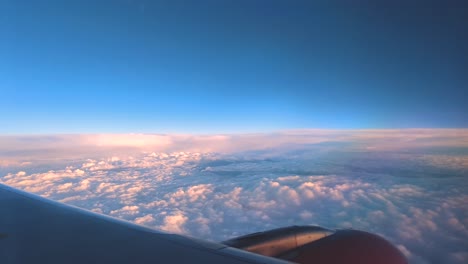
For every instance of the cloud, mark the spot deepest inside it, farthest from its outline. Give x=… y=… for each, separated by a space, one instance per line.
x=447 y=161
x=21 y=150
x=83 y=185
x=174 y=223
x=128 y=140
x=144 y=220
x=417 y=200
x=129 y=210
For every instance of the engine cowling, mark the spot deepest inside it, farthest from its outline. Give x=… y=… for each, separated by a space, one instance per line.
x=314 y=244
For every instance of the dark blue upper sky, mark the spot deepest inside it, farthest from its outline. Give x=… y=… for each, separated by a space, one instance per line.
x=230 y=66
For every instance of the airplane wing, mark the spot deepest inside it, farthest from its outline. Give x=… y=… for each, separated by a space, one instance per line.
x=36 y=230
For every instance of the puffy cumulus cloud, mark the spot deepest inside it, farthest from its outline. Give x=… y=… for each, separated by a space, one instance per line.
x=59 y=181
x=174 y=223
x=144 y=220
x=131 y=210
x=83 y=185
x=418 y=201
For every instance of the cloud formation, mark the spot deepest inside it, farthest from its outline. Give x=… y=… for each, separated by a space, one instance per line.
x=417 y=198
x=40 y=147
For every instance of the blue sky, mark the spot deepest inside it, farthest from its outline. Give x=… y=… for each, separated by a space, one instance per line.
x=230 y=66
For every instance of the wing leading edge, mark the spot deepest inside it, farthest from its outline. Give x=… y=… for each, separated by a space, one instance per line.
x=37 y=230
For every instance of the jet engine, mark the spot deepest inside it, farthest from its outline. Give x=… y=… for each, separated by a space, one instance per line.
x=314 y=244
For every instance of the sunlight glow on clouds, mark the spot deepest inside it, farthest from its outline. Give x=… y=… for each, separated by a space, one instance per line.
x=411 y=192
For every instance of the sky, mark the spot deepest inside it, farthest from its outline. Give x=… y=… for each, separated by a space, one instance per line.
x=142 y=66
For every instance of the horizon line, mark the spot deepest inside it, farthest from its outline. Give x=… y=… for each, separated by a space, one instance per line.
x=241 y=132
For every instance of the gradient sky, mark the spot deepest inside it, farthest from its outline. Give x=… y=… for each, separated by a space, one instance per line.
x=230 y=66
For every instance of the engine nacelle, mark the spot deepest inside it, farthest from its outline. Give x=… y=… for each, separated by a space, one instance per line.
x=314 y=244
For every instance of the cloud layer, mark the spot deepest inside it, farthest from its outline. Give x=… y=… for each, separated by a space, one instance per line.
x=414 y=195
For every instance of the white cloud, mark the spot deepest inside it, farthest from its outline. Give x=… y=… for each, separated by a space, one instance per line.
x=129 y=210
x=83 y=185
x=64 y=187
x=144 y=220
x=174 y=223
